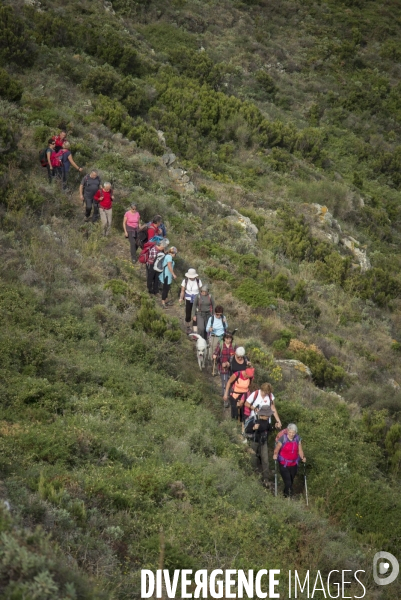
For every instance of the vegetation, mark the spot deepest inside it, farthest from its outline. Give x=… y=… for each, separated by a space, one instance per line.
x=289 y=114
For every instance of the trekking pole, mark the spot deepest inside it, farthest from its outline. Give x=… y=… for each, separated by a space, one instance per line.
x=306 y=486
x=214 y=367
x=275 y=478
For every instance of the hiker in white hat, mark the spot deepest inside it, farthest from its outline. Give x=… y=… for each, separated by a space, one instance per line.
x=190 y=288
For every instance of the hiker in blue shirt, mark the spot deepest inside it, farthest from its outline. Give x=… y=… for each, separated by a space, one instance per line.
x=216 y=328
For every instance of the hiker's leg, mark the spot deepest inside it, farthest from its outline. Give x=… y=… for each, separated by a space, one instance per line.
x=103 y=219
x=109 y=215
x=224 y=378
x=213 y=341
x=264 y=456
x=166 y=289
x=285 y=474
x=200 y=323
x=292 y=471
x=96 y=215
x=254 y=458
x=65 y=179
x=155 y=281
x=88 y=208
x=188 y=311
x=132 y=241
x=234 y=410
x=49 y=174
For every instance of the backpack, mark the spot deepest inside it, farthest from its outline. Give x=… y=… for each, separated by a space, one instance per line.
x=282 y=438
x=144 y=255
x=249 y=431
x=86 y=179
x=158 y=265
x=57 y=158
x=142 y=235
x=43 y=157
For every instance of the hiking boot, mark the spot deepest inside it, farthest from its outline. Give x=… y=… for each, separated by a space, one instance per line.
x=226 y=404
x=189 y=329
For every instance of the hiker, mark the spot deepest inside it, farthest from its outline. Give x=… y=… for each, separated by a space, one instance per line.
x=216 y=328
x=50 y=151
x=190 y=288
x=257 y=431
x=288 y=451
x=154 y=228
x=239 y=361
x=167 y=275
x=240 y=382
x=262 y=397
x=90 y=184
x=104 y=197
x=131 y=227
x=59 y=140
x=223 y=354
x=66 y=162
x=202 y=309
x=152 y=275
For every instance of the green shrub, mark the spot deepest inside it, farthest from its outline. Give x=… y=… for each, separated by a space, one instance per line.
x=253 y=294
x=117 y=287
x=15 y=42
x=10 y=88
x=165 y=37
x=101 y=80
x=219 y=274
x=266 y=82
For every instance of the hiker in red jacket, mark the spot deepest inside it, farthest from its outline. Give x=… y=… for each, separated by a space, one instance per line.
x=105 y=198
x=59 y=140
x=288 y=452
x=154 y=227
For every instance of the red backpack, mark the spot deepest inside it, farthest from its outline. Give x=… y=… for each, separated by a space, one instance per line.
x=144 y=255
x=289 y=452
x=55 y=158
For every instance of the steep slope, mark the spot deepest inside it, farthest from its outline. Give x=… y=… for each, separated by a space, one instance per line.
x=108 y=433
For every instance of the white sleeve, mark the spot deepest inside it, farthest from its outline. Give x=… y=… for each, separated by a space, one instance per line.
x=183 y=283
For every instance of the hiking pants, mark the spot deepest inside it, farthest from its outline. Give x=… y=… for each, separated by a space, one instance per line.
x=166 y=289
x=89 y=203
x=152 y=280
x=288 y=475
x=50 y=173
x=224 y=378
x=105 y=217
x=132 y=236
x=235 y=408
x=188 y=310
x=262 y=457
x=201 y=322
x=65 y=178
x=213 y=343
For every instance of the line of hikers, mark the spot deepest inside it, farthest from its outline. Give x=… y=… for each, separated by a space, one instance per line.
x=253 y=409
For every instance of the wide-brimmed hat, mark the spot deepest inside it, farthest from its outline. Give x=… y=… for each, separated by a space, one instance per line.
x=265 y=411
x=191 y=273
x=205 y=287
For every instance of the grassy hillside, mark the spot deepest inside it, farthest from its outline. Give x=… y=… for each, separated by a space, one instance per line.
x=286 y=116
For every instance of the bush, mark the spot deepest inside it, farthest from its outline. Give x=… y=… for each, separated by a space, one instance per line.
x=10 y=88
x=254 y=294
x=101 y=80
x=15 y=43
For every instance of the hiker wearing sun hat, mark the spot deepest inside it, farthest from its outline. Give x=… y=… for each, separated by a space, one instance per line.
x=190 y=288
